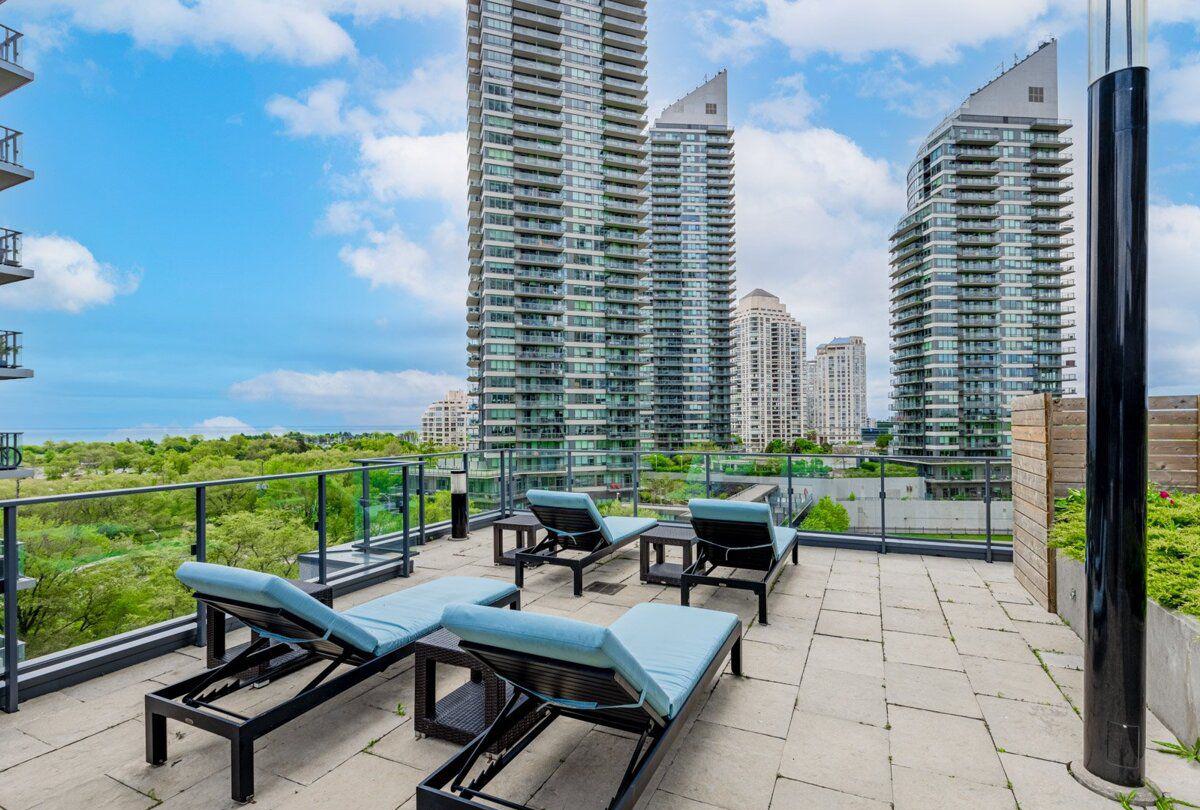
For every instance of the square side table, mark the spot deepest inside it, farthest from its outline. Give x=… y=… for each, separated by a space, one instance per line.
x=661 y=572
x=524 y=526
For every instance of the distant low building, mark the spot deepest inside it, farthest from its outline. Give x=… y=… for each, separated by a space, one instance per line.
x=445 y=421
x=840 y=390
x=874 y=429
x=768 y=393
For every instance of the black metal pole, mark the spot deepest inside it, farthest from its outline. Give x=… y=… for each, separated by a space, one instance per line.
x=201 y=556
x=12 y=644
x=322 y=533
x=421 y=502
x=882 y=505
x=987 y=509
x=365 y=503
x=1115 y=652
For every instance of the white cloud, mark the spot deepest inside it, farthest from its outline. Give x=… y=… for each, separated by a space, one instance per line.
x=306 y=32
x=416 y=167
x=930 y=31
x=789 y=106
x=216 y=427
x=67 y=277
x=360 y=397
x=403 y=154
x=390 y=259
x=814 y=215
x=1174 y=298
x=1178 y=90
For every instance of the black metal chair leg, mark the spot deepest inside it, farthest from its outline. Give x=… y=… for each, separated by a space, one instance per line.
x=577 y=580
x=795 y=553
x=762 y=605
x=519 y=573
x=685 y=594
x=241 y=769
x=156 y=738
x=735 y=657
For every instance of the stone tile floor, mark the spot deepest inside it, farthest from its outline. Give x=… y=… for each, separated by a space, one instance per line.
x=882 y=682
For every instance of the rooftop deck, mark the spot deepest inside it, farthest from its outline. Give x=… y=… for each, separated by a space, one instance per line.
x=882 y=681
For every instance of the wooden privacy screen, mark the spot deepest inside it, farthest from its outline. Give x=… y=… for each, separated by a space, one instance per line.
x=1050 y=459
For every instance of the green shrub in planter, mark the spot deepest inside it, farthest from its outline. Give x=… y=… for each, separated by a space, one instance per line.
x=1173 y=544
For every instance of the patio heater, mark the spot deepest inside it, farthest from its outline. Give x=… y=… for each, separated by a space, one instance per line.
x=459 y=506
x=1115 y=650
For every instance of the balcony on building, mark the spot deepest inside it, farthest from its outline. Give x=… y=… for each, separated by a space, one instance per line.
x=13 y=74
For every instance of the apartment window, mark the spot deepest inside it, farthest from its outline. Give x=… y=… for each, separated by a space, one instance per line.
x=710 y=109
x=1037 y=94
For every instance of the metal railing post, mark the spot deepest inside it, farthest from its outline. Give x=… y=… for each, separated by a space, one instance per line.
x=421 y=501
x=503 y=485
x=405 y=521
x=707 y=475
x=201 y=552
x=322 y=533
x=365 y=502
x=11 y=622
x=637 y=463
x=570 y=471
x=987 y=506
x=791 y=511
x=882 y=505
x=405 y=552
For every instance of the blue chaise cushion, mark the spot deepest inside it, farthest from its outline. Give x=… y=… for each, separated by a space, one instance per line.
x=662 y=650
x=744 y=512
x=614 y=529
x=404 y=616
x=376 y=627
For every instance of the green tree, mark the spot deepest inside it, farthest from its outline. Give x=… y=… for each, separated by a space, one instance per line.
x=826 y=515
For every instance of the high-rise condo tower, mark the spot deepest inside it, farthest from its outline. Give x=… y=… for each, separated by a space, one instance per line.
x=981 y=277
x=558 y=190
x=692 y=272
x=12 y=172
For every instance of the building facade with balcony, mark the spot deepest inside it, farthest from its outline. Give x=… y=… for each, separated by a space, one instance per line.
x=839 y=389
x=13 y=172
x=981 y=271
x=692 y=270
x=444 y=422
x=558 y=159
x=769 y=370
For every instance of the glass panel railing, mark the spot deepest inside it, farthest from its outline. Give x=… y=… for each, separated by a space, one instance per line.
x=483 y=487
x=950 y=503
x=536 y=469
x=666 y=482
x=97 y=568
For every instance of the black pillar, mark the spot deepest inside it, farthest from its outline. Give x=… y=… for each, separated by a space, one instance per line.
x=1115 y=651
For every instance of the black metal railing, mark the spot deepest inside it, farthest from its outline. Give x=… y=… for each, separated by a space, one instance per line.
x=10 y=45
x=10 y=349
x=401 y=502
x=10 y=146
x=10 y=247
x=10 y=451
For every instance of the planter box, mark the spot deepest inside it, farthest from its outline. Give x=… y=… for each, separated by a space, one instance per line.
x=1172 y=652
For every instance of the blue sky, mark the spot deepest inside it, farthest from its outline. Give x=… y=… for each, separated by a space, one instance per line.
x=251 y=212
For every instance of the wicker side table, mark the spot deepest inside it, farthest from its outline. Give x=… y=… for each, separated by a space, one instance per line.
x=214 y=635
x=524 y=526
x=660 y=571
x=462 y=715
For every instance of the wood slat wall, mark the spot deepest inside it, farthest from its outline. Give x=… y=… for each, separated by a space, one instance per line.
x=1050 y=459
x=1174 y=430
x=1033 y=498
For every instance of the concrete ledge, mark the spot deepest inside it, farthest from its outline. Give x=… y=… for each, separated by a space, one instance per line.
x=1172 y=652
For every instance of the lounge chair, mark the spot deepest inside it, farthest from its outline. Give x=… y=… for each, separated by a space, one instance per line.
x=740 y=535
x=573 y=523
x=646 y=674
x=370 y=638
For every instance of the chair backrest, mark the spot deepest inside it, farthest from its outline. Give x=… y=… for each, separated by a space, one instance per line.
x=274 y=606
x=571 y=516
x=582 y=669
x=740 y=534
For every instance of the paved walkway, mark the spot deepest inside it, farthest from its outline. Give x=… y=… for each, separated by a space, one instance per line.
x=882 y=682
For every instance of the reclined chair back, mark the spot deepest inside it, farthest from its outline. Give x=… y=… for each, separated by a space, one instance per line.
x=736 y=534
x=570 y=517
x=590 y=688
x=276 y=609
